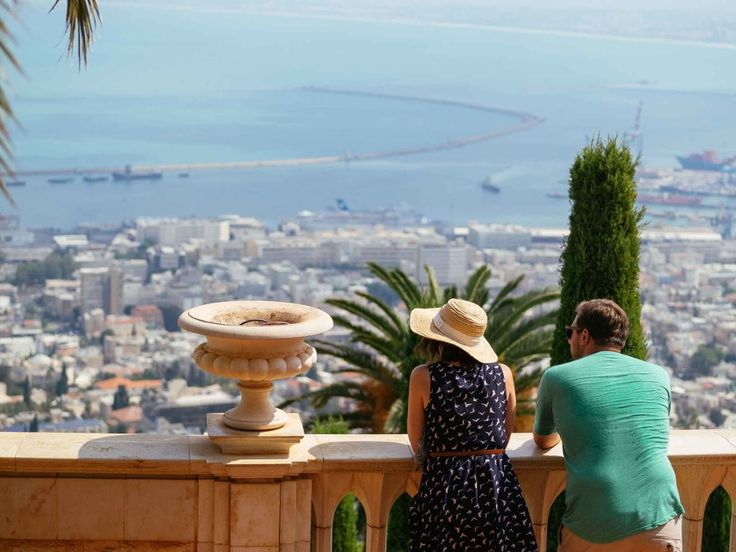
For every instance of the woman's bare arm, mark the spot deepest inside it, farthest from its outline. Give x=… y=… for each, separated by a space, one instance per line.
x=418 y=400
x=508 y=378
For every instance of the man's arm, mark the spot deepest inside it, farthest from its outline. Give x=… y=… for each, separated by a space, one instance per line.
x=546 y=441
x=545 y=432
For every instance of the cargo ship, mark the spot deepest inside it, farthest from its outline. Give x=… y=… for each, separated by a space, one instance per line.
x=129 y=174
x=95 y=178
x=488 y=185
x=670 y=199
x=706 y=161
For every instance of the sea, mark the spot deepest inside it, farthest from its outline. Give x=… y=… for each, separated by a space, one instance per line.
x=190 y=83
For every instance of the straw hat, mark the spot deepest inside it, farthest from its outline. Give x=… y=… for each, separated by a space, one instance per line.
x=460 y=323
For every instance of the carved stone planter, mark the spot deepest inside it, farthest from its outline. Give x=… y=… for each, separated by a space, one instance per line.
x=254 y=342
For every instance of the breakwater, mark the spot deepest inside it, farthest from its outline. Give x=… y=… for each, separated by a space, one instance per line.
x=524 y=121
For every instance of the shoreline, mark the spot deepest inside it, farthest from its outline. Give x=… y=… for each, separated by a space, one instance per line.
x=417 y=22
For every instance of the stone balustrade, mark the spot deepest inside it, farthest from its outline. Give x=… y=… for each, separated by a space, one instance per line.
x=93 y=492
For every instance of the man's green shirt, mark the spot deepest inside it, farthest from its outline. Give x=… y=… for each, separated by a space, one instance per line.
x=612 y=413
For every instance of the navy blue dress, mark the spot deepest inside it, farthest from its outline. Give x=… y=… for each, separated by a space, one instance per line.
x=468 y=503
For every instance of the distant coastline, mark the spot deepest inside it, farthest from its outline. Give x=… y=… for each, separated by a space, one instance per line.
x=418 y=22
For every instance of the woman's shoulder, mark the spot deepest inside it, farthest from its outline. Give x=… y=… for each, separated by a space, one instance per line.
x=420 y=372
x=507 y=373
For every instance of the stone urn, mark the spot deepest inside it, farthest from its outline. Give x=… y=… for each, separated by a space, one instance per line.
x=255 y=342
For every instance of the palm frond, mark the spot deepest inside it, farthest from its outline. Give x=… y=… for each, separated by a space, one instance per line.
x=6 y=111
x=504 y=295
x=514 y=309
x=82 y=17
x=360 y=361
x=395 y=417
x=382 y=346
x=506 y=336
x=366 y=314
x=345 y=389
x=476 y=284
x=450 y=292
x=386 y=309
x=407 y=291
x=434 y=290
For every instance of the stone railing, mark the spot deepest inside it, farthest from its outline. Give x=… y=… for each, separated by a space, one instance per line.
x=146 y=492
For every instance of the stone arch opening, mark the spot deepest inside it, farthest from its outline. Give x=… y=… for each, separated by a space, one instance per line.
x=717 y=521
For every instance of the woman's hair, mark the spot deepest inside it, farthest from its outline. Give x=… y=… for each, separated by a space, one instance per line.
x=435 y=351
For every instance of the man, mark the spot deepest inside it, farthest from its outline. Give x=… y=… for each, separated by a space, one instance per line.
x=612 y=413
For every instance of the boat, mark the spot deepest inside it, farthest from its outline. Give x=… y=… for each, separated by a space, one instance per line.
x=488 y=185
x=16 y=183
x=61 y=179
x=129 y=174
x=670 y=199
x=706 y=161
x=556 y=195
x=95 y=178
x=184 y=175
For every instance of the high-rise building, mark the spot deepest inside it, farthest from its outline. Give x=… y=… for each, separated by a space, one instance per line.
x=102 y=288
x=450 y=263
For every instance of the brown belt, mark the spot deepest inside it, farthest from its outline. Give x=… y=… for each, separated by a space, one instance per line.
x=467 y=452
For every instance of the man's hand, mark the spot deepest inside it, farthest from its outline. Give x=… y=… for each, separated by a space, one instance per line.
x=546 y=441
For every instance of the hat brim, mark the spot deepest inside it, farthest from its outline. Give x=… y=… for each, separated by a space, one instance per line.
x=420 y=322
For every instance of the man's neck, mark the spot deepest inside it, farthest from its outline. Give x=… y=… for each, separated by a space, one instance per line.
x=595 y=350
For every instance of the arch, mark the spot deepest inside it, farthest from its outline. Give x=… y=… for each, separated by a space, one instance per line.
x=348 y=525
x=717 y=521
x=398 y=523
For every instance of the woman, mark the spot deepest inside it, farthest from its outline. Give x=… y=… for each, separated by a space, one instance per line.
x=461 y=413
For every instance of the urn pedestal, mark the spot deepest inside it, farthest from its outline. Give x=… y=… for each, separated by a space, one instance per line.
x=255 y=342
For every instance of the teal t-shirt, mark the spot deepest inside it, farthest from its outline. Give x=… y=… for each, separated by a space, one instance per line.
x=612 y=413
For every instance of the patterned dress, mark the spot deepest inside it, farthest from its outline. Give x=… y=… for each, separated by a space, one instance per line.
x=468 y=503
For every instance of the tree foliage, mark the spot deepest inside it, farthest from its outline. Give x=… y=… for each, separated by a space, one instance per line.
x=703 y=360
x=82 y=17
x=382 y=347
x=121 y=399
x=717 y=522
x=600 y=257
x=57 y=265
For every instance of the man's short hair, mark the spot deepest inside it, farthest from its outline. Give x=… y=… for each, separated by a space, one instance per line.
x=606 y=322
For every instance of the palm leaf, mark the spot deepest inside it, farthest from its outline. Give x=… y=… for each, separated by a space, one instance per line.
x=504 y=295
x=82 y=16
x=360 y=361
x=386 y=309
x=398 y=286
x=434 y=290
x=366 y=314
x=476 y=284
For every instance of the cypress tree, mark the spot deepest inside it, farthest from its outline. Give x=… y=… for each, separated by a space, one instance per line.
x=120 y=399
x=717 y=521
x=62 y=386
x=600 y=257
x=27 y=391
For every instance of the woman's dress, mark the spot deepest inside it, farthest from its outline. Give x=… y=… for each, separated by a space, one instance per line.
x=468 y=503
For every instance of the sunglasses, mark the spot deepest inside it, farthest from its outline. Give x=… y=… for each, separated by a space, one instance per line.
x=569 y=330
